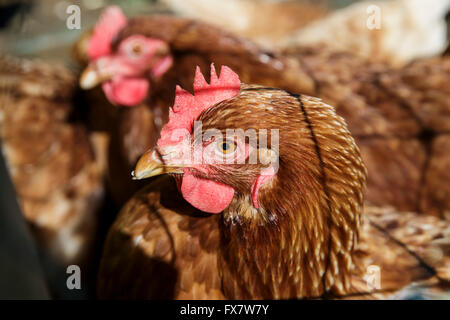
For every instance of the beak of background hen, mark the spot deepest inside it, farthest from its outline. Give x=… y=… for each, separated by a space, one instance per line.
x=149 y=166
x=92 y=77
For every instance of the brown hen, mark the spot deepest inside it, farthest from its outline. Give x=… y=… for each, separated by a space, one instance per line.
x=52 y=161
x=253 y=18
x=187 y=43
x=398 y=116
x=400 y=119
x=296 y=236
x=395 y=32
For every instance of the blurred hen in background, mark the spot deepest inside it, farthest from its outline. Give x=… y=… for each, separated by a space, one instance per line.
x=390 y=85
x=52 y=162
x=296 y=233
x=264 y=22
x=139 y=61
x=400 y=118
x=394 y=32
x=403 y=30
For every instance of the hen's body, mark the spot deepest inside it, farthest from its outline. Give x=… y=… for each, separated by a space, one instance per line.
x=51 y=160
x=160 y=247
x=407 y=248
x=303 y=240
x=164 y=248
x=297 y=243
x=251 y=18
x=398 y=117
x=400 y=120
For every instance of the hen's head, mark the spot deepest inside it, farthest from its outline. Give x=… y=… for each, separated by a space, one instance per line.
x=229 y=141
x=285 y=172
x=123 y=65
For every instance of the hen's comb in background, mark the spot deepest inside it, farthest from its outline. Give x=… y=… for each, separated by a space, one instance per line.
x=108 y=26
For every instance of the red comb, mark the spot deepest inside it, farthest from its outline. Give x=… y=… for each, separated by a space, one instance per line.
x=111 y=21
x=188 y=107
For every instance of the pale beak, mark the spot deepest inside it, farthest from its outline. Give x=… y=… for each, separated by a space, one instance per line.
x=148 y=166
x=91 y=77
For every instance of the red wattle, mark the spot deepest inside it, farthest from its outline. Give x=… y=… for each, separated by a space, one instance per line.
x=206 y=195
x=126 y=91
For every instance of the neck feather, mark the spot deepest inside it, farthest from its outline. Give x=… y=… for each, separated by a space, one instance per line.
x=290 y=247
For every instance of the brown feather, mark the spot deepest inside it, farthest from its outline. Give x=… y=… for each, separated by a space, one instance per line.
x=298 y=244
x=397 y=117
x=52 y=161
x=192 y=44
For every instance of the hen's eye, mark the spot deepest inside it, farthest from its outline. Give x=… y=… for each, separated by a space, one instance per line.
x=136 y=49
x=226 y=147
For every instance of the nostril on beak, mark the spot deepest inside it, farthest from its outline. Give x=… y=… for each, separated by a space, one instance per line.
x=157 y=156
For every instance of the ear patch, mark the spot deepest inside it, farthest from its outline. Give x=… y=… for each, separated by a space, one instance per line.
x=265 y=176
x=111 y=21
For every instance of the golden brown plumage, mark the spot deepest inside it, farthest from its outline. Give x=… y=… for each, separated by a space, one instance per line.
x=191 y=43
x=298 y=243
x=52 y=161
x=252 y=18
x=199 y=44
x=148 y=242
x=394 y=32
x=409 y=249
x=397 y=116
x=392 y=113
x=309 y=239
